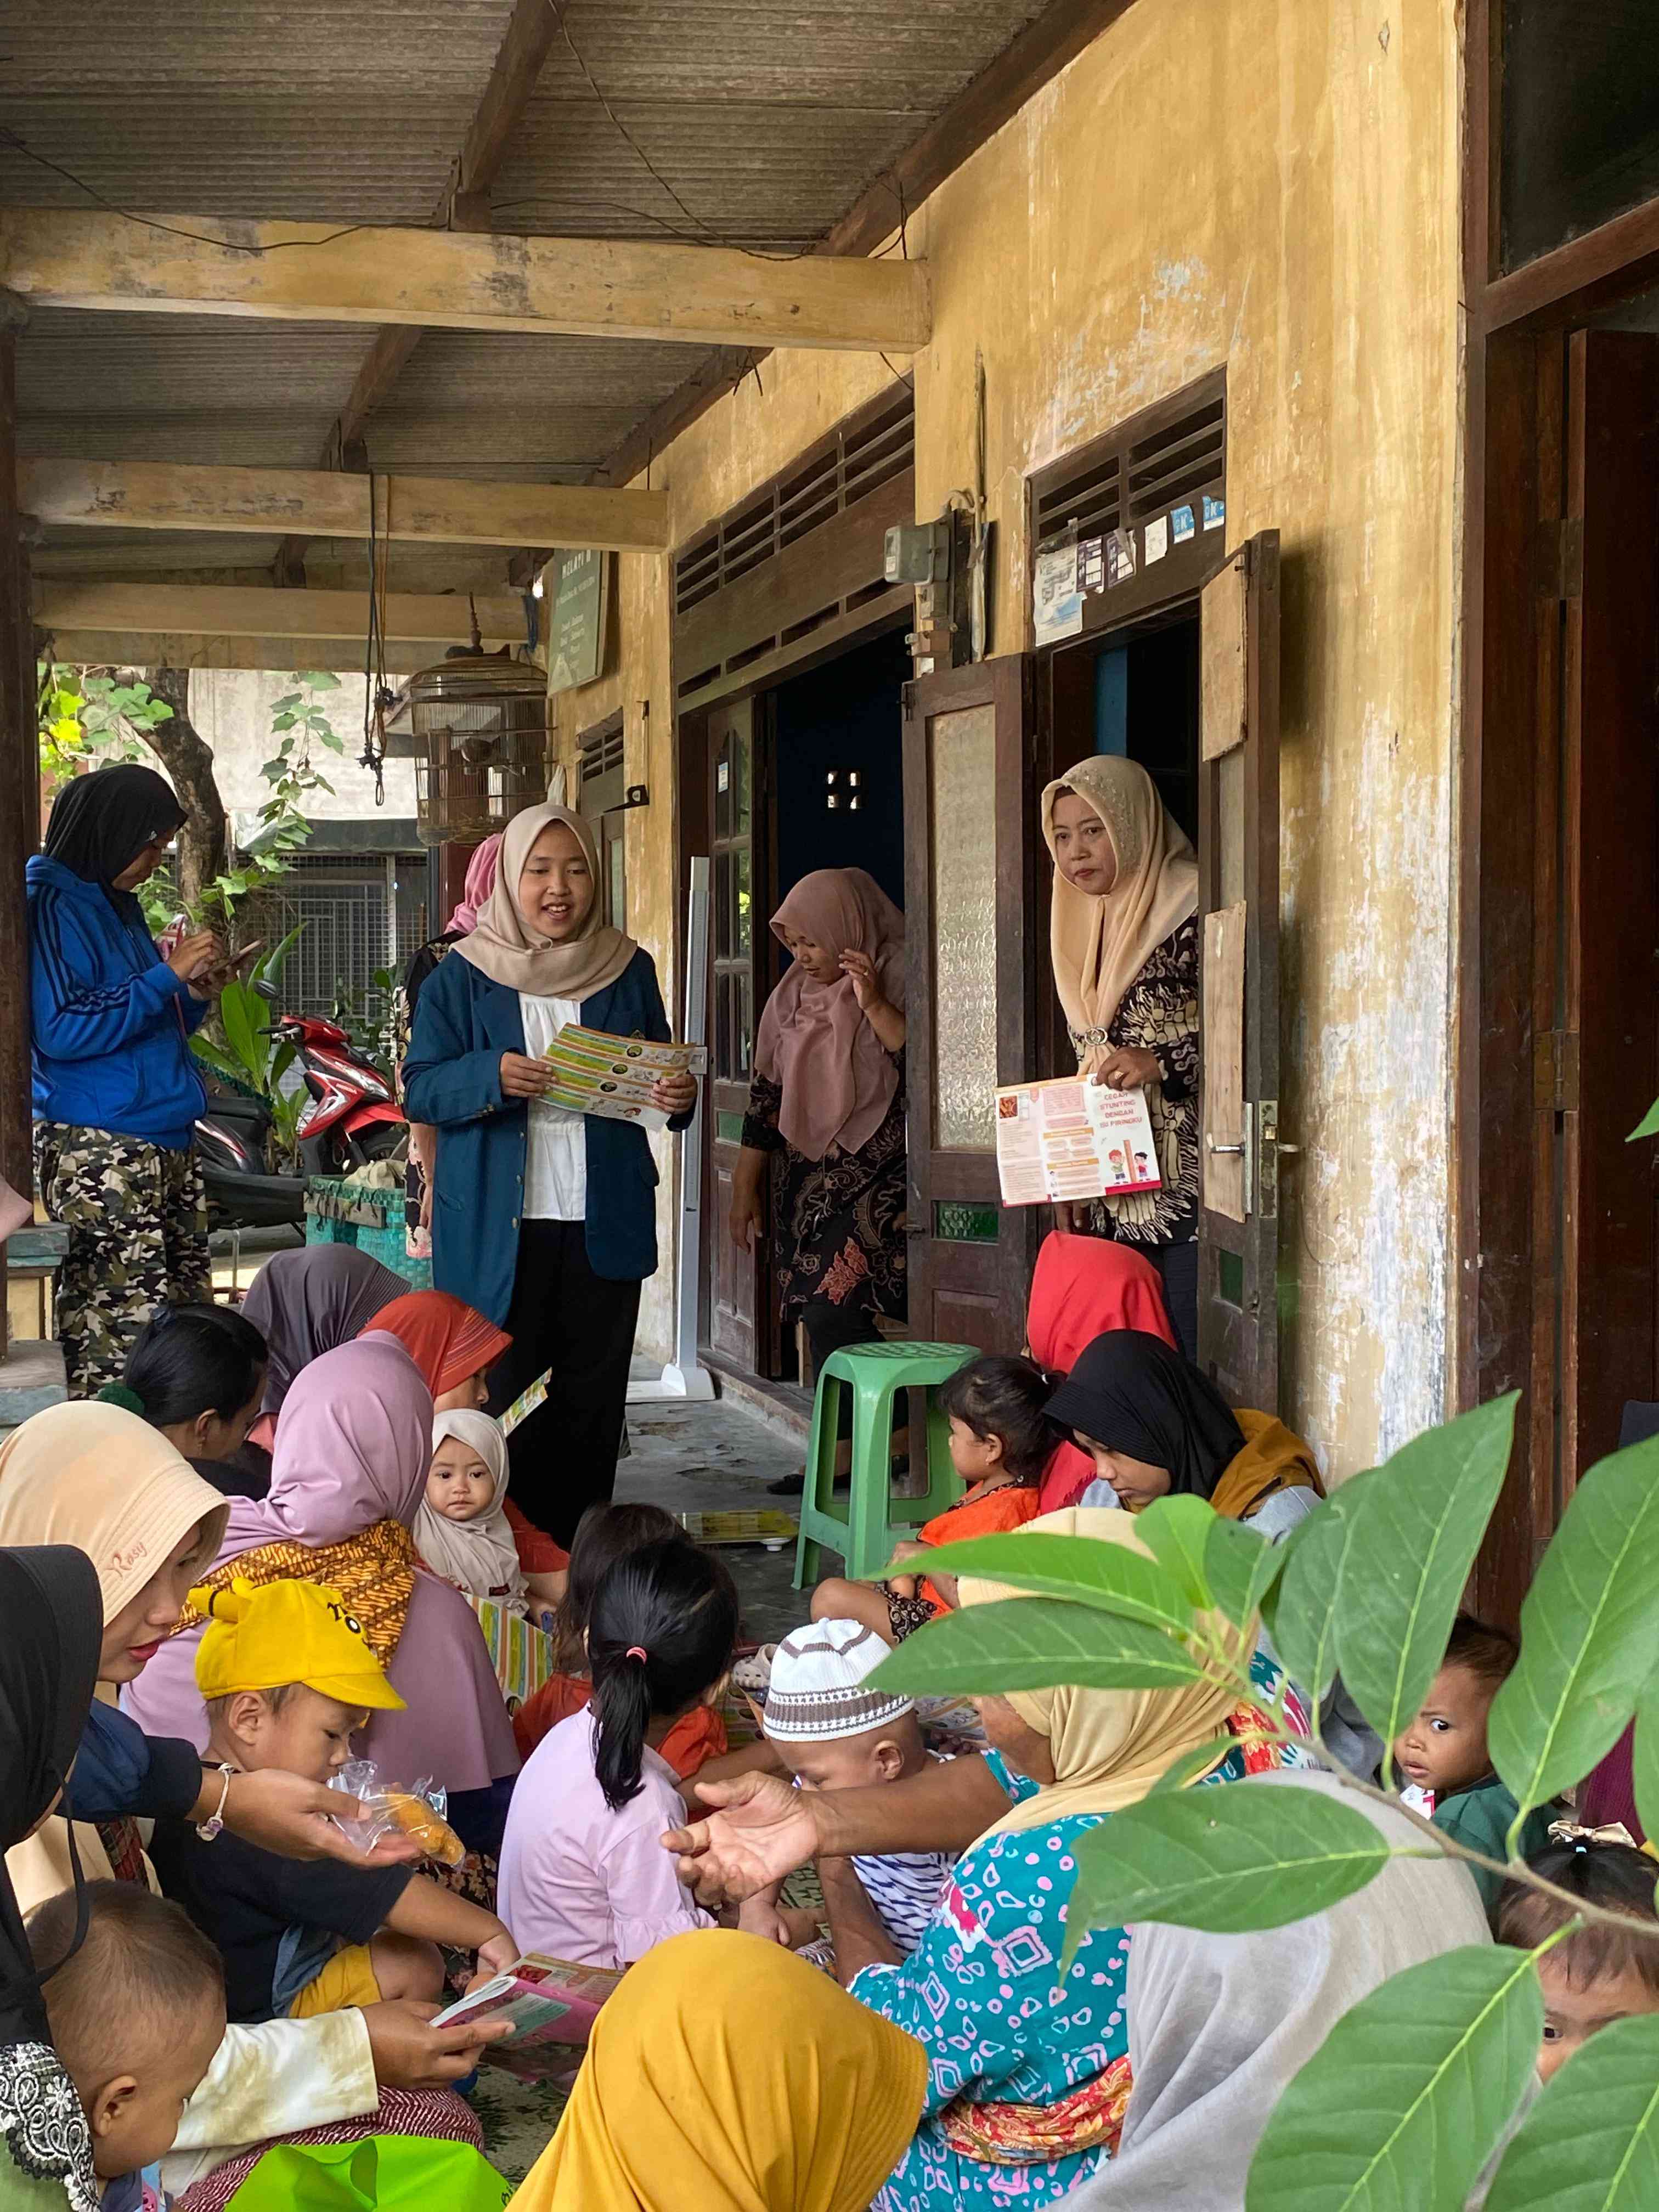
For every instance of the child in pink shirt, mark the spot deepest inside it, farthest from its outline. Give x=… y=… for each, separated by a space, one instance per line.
x=583 y=1873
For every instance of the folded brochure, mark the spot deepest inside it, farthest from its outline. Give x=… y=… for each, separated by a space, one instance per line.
x=612 y=1076
x=1074 y=1140
x=551 y=2003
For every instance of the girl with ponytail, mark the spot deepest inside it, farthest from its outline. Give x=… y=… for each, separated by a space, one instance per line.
x=583 y=1873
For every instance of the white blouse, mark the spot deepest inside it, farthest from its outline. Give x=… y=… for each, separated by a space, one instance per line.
x=555 y=1158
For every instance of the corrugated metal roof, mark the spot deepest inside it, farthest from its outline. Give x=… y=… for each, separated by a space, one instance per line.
x=762 y=119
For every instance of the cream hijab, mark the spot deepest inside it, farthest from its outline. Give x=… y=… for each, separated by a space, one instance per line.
x=95 y=1476
x=1109 y=1747
x=478 y=1556
x=1099 y=945
x=509 y=951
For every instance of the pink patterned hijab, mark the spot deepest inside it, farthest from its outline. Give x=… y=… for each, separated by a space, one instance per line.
x=480 y=882
x=837 y=1079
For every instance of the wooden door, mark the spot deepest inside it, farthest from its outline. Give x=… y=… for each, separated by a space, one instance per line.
x=738 y=1325
x=1596 y=1060
x=1239 y=861
x=973 y=917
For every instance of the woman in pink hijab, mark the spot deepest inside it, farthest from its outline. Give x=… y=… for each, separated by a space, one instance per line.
x=348 y=1475
x=827 y=1107
x=422 y=1138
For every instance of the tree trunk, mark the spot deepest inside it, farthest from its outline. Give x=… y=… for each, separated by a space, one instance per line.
x=189 y=761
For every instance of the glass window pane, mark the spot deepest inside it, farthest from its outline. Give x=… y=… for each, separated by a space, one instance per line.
x=739 y=786
x=722 y=906
x=743 y=920
x=1579 y=114
x=723 y=1060
x=746 y=1021
x=723 y=785
x=615 y=853
x=962 y=837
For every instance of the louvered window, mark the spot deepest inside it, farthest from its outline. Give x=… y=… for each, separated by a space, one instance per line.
x=802 y=551
x=1147 y=503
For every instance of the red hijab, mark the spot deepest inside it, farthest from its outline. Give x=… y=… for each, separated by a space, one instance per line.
x=446 y=1340
x=1082 y=1287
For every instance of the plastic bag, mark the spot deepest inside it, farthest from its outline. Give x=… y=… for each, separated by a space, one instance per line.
x=418 y=1811
x=376 y=2174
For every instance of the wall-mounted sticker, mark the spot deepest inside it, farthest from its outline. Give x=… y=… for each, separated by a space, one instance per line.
x=1158 y=539
x=1181 y=525
x=1120 y=556
x=1056 y=602
x=1092 y=564
x=1215 y=512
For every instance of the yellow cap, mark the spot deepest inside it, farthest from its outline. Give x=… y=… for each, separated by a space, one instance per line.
x=266 y=1636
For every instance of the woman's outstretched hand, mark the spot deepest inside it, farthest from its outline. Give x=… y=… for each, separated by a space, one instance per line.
x=295 y=1819
x=763 y=1829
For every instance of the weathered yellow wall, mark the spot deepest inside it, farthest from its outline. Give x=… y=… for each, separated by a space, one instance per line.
x=1272 y=184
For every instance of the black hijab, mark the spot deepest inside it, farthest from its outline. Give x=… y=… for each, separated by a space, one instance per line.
x=52 y=1617
x=101 y=822
x=1134 y=1394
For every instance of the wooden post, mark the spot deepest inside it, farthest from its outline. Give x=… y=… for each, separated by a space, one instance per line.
x=20 y=787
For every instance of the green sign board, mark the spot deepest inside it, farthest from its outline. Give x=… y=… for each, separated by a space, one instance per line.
x=574 y=599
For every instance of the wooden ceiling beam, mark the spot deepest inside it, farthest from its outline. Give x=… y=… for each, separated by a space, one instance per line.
x=91 y=648
x=462 y=281
x=166 y=495
x=228 y=611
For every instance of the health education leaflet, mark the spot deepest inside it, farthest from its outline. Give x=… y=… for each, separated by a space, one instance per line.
x=612 y=1076
x=551 y=2004
x=1074 y=1140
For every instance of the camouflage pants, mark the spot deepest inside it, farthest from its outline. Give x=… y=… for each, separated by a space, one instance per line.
x=137 y=1216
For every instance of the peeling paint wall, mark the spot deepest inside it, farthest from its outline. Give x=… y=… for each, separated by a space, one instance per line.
x=1272 y=184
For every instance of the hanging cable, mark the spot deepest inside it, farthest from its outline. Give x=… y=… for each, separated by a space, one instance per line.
x=376 y=697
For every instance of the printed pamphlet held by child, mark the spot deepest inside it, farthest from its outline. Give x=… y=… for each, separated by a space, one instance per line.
x=551 y=2003
x=1073 y=1140
x=612 y=1076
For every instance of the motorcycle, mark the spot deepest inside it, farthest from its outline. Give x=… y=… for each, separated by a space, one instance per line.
x=351 y=1118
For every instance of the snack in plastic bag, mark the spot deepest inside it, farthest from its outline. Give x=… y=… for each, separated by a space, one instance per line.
x=418 y=1811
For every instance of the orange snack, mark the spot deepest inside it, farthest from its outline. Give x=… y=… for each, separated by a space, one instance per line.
x=434 y=1834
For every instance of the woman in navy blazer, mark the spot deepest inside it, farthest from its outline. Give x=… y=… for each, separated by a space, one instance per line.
x=543 y=1220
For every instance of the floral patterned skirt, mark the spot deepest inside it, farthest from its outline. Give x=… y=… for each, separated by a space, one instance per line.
x=840 y=1227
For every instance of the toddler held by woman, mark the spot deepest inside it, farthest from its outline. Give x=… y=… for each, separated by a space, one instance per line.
x=584 y=1876
x=461 y=1529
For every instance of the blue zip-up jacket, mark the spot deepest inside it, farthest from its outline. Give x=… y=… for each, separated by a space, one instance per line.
x=463 y=1022
x=110 y=1021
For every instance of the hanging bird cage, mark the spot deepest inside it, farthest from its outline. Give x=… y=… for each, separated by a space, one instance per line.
x=478 y=722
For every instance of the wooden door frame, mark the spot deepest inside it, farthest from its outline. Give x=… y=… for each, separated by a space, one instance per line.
x=1500 y=1316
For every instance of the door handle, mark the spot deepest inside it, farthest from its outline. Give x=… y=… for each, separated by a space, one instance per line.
x=1214 y=1147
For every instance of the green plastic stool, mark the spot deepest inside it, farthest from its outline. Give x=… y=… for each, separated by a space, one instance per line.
x=875 y=1519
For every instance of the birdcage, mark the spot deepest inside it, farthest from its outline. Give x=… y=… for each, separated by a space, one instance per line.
x=478 y=723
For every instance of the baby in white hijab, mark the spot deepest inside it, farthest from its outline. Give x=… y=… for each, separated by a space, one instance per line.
x=461 y=1529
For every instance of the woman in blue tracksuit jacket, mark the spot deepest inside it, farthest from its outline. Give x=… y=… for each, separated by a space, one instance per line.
x=115 y=1084
x=543 y=1220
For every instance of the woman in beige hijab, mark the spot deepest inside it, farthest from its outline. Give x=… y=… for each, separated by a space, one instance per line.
x=1123 y=938
x=543 y=1220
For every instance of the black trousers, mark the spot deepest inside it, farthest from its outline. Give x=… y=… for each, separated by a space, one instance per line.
x=565 y=1319
x=1178 y=1265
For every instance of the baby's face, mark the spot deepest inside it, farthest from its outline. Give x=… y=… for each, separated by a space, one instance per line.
x=1444 y=1749
x=1574 y=2010
x=853 y=1762
x=134 y=2118
x=460 y=1485
x=312 y=1736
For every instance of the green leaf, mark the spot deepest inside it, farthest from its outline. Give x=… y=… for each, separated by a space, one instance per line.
x=1644 y=1758
x=321 y=679
x=1191 y=1764
x=1224 y=1860
x=1241 y=1568
x=1106 y=1576
x=237 y=1005
x=283 y=721
x=334 y=744
x=1415 y=1532
x=1406 y=2099
x=1176 y=1532
x=1648 y=1125
x=288 y=699
x=217 y=1058
x=268 y=968
x=271 y=770
x=1304 y=1605
x=1035 y=1644
x=1590 y=1633
x=1591 y=2141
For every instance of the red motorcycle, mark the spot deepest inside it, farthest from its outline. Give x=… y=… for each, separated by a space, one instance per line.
x=352 y=1116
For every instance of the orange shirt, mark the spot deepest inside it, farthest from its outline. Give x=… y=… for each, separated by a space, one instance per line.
x=697 y=1735
x=994 y=1515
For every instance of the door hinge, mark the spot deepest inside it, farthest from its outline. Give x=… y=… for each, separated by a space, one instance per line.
x=1555 y=1070
x=1266 y=1181
x=1560 y=559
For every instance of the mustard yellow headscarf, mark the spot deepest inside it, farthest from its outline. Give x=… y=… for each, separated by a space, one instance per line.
x=728 y=2076
x=1109 y=1747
